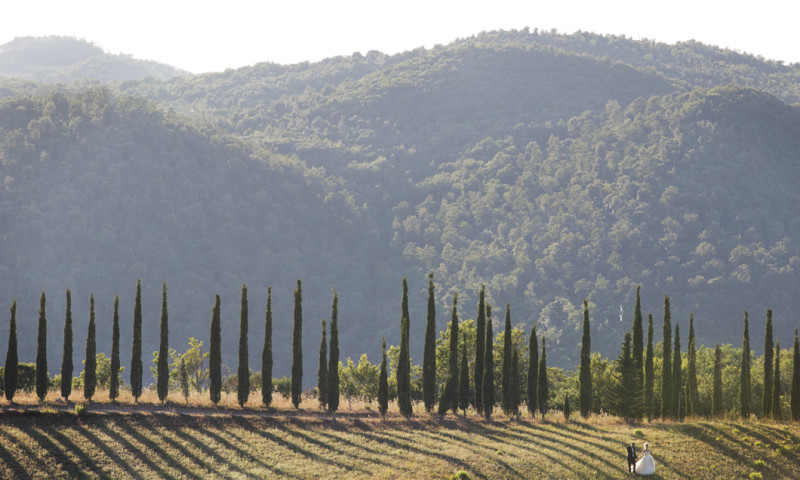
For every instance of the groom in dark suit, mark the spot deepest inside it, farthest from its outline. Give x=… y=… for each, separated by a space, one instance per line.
x=631 y=458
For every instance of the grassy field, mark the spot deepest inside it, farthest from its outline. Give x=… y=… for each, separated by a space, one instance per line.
x=196 y=442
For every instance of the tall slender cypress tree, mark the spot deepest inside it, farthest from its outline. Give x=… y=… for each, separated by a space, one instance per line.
x=667 y=394
x=113 y=391
x=745 y=393
x=42 y=378
x=766 y=404
x=322 y=369
x=297 y=347
x=717 y=407
x=215 y=354
x=480 y=346
x=449 y=398
x=796 y=379
x=649 y=371
x=507 y=354
x=677 y=381
x=544 y=388
x=184 y=375
x=136 y=351
x=66 y=356
x=514 y=385
x=777 y=411
x=11 y=373
x=488 y=368
x=692 y=398
x=429 y=353
x=638 y=343
x=243 y=372
x=624 y=396
x=463 y=381
x=533 y=372
x=162 y=382
x=383 y=384
x=266 y=354
x=585 y=376
x=333 y=352
x=404 y=360
x=90 y=365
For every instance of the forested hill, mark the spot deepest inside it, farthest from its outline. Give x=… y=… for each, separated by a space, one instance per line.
x=550 y=167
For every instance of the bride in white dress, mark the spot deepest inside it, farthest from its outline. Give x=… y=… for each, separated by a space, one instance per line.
x=646 y=465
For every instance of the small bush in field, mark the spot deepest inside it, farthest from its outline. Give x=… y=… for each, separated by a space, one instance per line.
x=756 y=476
x=80 y=409
x=759 y=463
x=460 y=475
x=638 y=433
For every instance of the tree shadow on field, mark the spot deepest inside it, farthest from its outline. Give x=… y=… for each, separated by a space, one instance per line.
x=135 y=451
x=344 y=441
x=107 y=451
x=60 y=455
x=153 y=447
x=8 y=459
x=394 y=441
x=787 y=465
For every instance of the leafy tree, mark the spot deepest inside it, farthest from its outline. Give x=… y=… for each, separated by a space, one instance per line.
x=136 y=352
x=184 y=381
x=42 y=378
x=383 y=384
x=649 y=371
x=507 y=354
x=66 y=357
x=796 y=379
x=333 y=363
x=544 y=388
x=586 y=361
x=677 y=381
x=429 y=353
x=567 y=410
x=463 y=382
x=488 y=368
x=11 y=372
x=638 y=344
x=194 y=360
x=322 y=370
x=533 y=372
x=480 y=347
x=266 y=354
x=692 y=400
x=717 y=406
x=297 y=347
x=766 y=400
x=243 y=390
x=162 y=377
x=362 y=380
x=667 y=394
x=404 y=366
x=777 y=412
x=514 y=393
x=90 y=381
x=745 y=396
x=215 y=354
x=113 y=391
x=102 y=373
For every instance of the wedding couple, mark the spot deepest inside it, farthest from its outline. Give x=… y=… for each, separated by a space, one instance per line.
x=645 y=465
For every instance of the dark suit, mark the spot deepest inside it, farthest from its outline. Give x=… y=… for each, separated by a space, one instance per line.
x=631 y=458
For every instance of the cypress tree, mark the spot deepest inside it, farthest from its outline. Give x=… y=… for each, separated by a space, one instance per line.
x=533 y=372
x=383 y=384
x=333 y=364
x=90 y=365
x=692 y=399
x=243 y=372
x=544 y=389
x=625 y=398
x=567 y=410
x=638 y=344
x=796 y=379
x=404 y=360
x=136 y=351
x=449 y=398
x=113 y=391
x=514 y=385
x=42 y=379
x=215 y=354
x=507 y=354
x=322 y=370
x=777 y=411
x=66 y=356
x=429 y=354
x=667 y=394
x=11 y=373
x=649 y=371
x=463 y=381
x=766 y=404
x=745 y=394
x=585 y=377
x=266 y=354
x=184 y=381
x=297 y=347
x=488 y=368
x=717 y=407
x=677 y=381
x=162 y=382
x=480 y=346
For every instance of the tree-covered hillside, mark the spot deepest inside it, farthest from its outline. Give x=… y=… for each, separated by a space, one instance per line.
x=553 y=168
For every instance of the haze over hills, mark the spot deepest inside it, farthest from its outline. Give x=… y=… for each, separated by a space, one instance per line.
x=552 y=168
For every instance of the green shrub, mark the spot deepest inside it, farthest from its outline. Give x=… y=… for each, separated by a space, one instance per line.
x=756 y=476
x=283 y=386
x=638 y=433
x=80 y=409
x=460 y=475
x=759 y=463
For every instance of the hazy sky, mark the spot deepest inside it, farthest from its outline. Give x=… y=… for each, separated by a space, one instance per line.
x=202 y=36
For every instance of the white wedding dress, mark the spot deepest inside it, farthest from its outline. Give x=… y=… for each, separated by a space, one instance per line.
x=646 y=465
